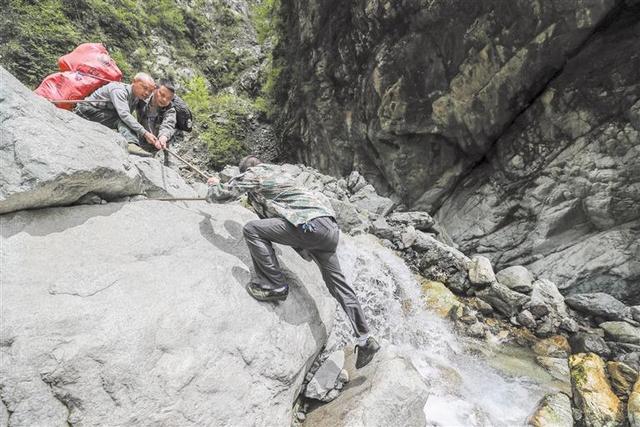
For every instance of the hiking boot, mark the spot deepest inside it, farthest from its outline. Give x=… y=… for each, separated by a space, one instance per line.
x=366 y=352
x=135 y=149
x=265 y=294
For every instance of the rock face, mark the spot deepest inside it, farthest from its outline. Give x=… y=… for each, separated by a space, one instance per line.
x=145 y=319
x=49 y=156
x=592 y=392
x=516 y=127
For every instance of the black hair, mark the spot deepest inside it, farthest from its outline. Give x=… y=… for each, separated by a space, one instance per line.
x=168 y=84
x=248 y=162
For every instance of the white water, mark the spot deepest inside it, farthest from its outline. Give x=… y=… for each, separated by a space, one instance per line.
x=465 y=387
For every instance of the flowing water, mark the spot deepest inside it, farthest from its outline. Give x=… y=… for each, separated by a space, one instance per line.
x=471 y=382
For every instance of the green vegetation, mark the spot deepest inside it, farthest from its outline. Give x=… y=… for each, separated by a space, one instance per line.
x=265 y=20
x=221 y=122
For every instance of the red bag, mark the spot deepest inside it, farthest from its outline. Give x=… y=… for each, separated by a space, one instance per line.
x=93 y=59
x=68 y=85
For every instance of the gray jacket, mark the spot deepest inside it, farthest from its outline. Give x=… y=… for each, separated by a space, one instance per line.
x=122 y=100
x=160 y=121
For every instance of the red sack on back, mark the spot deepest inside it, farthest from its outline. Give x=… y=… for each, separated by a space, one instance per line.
x=68 y=85
x=93 y=59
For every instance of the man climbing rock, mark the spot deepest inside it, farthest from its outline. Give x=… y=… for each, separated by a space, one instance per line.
x=292 y=216
x=113 y=107
x=157 y=116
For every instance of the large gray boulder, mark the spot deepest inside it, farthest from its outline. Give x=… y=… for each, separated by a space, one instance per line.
x=50 y=156
x=442 y=263
x=137 y=314
x=599 y=304
x=621 y=332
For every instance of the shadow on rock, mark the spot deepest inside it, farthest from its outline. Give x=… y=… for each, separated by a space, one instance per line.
x=298 y=308
x=41 y=222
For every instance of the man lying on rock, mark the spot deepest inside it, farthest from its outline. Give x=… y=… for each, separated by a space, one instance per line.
x=292 y=216
x=116 y=102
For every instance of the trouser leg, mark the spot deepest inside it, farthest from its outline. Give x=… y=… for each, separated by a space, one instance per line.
x=259 y=235
x=127 y=133
x=341 y=291
x=321 y=243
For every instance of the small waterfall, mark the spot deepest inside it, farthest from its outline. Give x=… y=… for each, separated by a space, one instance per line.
x=468 y=380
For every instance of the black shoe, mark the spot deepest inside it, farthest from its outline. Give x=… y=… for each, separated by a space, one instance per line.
x=366 y=352
x=264 y=294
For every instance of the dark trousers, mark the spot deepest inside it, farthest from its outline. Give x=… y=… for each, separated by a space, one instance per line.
x=108 y=118
x=321 y=242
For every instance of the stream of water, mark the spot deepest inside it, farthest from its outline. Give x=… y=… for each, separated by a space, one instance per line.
x=471 y=382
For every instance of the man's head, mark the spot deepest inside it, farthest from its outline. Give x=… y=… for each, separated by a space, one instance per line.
x=163 y=95
x=142 y=85
x=248 y=162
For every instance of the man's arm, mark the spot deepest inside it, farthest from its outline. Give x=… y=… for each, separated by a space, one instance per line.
x=248 y=181
x=168 y=126
x=120 y=102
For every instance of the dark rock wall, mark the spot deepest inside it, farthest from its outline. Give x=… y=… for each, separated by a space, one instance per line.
x=516 y=123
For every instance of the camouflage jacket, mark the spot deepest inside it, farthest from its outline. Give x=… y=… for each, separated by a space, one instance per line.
x=274 y=194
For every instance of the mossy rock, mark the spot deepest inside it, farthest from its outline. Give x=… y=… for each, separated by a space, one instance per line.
x=592 y=392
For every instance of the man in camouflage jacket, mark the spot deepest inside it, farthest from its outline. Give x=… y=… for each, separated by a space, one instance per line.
x=292 y=216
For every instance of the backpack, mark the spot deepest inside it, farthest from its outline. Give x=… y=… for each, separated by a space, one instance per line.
x=184 y=118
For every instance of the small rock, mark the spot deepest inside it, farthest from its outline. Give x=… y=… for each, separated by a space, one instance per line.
x=516 y=278
x=476 y=330
x=381 y=228
x=367 y=199
x=557 y=367
x=332 y=395
x=569 y=325
x=344 y=376
x=355 y=182
x=623 y=377
x=583 y=342
x=325 y=377
x=480 y=271
x=553 y=410
x=526 y=319
x=631 y=359
x=89 y=199
x=503 y=299
x=484 y=308
x=546 y=299
x=556 y=346
x=408 y=237
x=301 y=416
x=633 y=406
x=546 y=328
x=419 y=220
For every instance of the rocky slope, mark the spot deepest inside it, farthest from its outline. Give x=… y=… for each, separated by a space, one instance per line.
x=514 y=125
